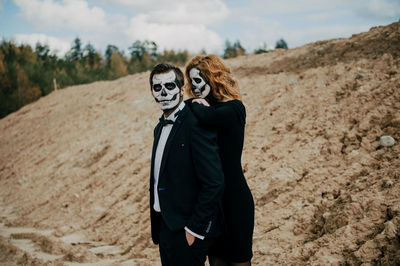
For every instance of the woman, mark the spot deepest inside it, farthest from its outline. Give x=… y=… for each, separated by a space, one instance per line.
x=219 y=105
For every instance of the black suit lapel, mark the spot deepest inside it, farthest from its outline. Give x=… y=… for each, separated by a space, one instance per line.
x=157 y=134
x=175 y=128
x=156 y=138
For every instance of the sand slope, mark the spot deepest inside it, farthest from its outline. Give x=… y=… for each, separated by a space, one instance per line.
x=74 y=166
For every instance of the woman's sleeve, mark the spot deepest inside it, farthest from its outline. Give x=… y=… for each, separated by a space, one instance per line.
x=222 y=116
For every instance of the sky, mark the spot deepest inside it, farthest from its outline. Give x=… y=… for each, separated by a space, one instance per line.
x=194 y=25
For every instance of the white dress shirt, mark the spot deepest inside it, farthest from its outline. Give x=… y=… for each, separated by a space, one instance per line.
x=159 y=153
x=158 y=157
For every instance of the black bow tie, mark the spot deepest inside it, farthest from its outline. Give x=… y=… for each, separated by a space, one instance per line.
x=165 y=122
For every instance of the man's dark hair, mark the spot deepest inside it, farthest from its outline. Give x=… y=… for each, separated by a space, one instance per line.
x=165 y=67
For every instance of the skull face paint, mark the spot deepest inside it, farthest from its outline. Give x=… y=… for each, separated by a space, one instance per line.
x=165 y=90
x=199 y=86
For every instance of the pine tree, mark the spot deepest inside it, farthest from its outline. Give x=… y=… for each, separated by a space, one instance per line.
x=233 y=50
x=281 y=44
x=76 y=50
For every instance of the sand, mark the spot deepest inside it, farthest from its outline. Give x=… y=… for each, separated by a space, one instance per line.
x=74 y=166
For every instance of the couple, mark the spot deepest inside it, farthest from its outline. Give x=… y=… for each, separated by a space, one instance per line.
x=200 y=203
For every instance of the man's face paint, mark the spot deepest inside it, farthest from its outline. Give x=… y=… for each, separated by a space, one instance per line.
x=165 y=90
x=199 y=85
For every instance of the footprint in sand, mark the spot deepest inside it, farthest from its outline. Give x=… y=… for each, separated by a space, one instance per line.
x=41 y=246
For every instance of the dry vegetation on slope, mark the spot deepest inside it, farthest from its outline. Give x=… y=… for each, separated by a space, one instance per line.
x=74 y=165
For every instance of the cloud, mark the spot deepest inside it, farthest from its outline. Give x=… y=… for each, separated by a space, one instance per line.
x=178 y=24
x=56 y=45
x=323 y=16
x=140 y=5
x=193 y=37
x=272 y=7
x=207 y=12
x=171 y=24
x=67 y=14
x=380 y=9
x=195 y=9
x=364 y=8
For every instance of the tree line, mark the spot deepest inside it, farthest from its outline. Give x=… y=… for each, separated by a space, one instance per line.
x=236 y=49
x=27 y=73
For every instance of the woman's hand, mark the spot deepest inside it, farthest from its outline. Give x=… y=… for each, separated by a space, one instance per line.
x=201 y=101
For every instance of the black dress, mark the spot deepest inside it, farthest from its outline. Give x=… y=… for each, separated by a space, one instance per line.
x=229 y=119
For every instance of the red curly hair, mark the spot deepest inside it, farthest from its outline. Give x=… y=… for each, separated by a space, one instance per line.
x=219 y=77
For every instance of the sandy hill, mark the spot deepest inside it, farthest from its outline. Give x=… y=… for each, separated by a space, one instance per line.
x=74 y=166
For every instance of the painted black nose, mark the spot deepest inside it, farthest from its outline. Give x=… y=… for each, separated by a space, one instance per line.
x=163 y=92
x=193 y=87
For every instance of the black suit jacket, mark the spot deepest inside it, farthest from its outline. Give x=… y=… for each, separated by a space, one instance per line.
x=190 y=183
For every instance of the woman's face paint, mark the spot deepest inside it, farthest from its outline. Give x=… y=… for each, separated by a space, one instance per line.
x=199 y=86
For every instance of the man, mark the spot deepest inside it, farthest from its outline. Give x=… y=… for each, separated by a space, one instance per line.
x=186 y=180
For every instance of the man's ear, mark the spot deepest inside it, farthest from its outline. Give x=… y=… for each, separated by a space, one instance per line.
x=182 y=90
